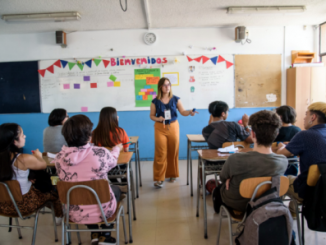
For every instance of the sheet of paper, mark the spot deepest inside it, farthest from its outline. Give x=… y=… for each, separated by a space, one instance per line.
x=84 y=109
x=87 y=78
x=173 y=77
x=152 y=80
x=116 y=84
x=51 y=155
x=110 y=84
x=230 y=148
x=76 y=86
x=113 y=78
x=93 y=85
x=66 y=86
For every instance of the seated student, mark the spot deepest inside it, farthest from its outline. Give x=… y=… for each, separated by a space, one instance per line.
x=81 y=161
x=258 y=163
x=108 y=133
x=220 y=131
x=309 y=145
x=288 y=116
x=53 y=139
x=210 y=110
x=16 y=166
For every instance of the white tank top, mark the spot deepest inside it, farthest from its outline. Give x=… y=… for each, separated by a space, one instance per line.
x=21 y=177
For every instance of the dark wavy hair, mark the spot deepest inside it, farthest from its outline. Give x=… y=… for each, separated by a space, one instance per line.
x=287 y=114
x=57 y=116
x=77 y=130
x=9 y=132
x=108 y=123
x=266 y=125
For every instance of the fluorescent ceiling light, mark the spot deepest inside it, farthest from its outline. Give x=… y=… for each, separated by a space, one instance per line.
x=267 y=10
x=52 y=17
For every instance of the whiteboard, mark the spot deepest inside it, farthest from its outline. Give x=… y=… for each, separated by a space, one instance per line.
x=91 y=84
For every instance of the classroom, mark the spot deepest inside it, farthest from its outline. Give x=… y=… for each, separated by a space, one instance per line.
x=222 y=60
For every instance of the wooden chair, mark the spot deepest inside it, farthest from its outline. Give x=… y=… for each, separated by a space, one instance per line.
x=10 y=192
x=88 y=193
x=249 y=188
x=312 y=179
x=241 y=144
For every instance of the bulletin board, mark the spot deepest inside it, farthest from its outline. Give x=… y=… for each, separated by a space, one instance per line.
x=130 y=83
x=258 y=80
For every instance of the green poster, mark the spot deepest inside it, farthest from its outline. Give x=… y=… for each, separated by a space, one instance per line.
x=146 y=81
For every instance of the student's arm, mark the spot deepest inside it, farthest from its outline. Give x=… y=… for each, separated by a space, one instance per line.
x=153 y=113
x=113 y=155
x=295 y=147
x=243 y=134
x=183 y=112
x=282 y=150
x=33 y=162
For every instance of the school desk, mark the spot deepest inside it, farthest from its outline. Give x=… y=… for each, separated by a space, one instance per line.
x=134 y=147
x=193 y=138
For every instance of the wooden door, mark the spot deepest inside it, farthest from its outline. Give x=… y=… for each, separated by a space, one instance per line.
x=318 y=84
x=302 y=95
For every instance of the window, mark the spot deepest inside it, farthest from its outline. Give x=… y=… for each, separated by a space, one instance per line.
x=322 y=42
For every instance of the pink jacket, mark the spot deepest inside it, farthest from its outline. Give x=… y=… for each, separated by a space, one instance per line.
x=86 y=163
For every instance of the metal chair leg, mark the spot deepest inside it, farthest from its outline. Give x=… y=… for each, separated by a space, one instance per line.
x=187 y=162
x=298 y=220
x=219 y=227
x=204 y=198
x=78 y=236
x=139 y=165
x=54 y=223
x=68 y=235
x=129 y=202
x=198 y=188
x=124 y=225
x=18 y=229
x=136 y=173
x=190 y=166
x=133 y=194
x=63 y=227
x=35 y=226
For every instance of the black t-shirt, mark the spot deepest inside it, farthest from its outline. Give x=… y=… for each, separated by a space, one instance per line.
x=287 y=133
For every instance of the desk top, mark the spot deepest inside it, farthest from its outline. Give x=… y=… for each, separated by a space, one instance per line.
x=195 y=138
x=214 y=155
x=133 y=139
x=124 y=158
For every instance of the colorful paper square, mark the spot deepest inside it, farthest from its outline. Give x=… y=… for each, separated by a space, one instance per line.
x=150 y=90
x=87 y=78
x=110 y=84
x=152 y=80
x=66 y=86
x=84 y=109
x=139 y=97
x=113 y=78
x=76 y=86
x=147 y=93
x=116 y=84
x=144 y=97
x=143 y=90
x=93 y=85
x=141 y=93
x=154 y=96
x=147 y=86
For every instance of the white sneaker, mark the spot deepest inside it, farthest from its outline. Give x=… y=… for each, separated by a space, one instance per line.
x=172 y=180
x=158 y=184
x=58 y=221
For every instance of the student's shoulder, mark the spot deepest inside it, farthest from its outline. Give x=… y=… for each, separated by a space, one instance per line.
x=296 y=129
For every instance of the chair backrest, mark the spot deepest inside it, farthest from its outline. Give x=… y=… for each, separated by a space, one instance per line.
x=313 y=175
x=82 y=196
x=236 y=144
x=14 y=189
x=248 y=186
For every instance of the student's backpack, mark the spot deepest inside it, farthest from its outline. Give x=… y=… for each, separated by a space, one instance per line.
x=268 y=221
x=314 y=205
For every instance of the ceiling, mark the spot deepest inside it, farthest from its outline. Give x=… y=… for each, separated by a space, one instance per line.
x=108 y=15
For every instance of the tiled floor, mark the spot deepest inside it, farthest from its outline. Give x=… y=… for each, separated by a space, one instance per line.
x=164 y=216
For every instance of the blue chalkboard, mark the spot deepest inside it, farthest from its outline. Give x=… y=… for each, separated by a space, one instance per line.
x=19 y=87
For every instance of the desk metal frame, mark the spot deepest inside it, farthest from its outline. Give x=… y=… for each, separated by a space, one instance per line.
x=135 y=149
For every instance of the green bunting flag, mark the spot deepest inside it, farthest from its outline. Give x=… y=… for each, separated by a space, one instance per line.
x=97 y=62
x=81 y=67
x=71 y=65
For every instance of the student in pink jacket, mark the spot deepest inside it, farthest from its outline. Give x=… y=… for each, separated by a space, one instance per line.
x=81 y=161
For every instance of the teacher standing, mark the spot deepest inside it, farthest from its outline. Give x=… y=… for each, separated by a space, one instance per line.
x=164 y=114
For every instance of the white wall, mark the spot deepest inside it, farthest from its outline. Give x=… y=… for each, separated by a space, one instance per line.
x=265 y=40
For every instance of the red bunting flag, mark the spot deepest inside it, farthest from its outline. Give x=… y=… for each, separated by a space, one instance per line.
x=106 y=63
x=50 y=69
x=220 y=59
x=42 y=72
x=205 y=59
x=228 y=64
x=198 y=59
x=57 y=63
x=189 y=59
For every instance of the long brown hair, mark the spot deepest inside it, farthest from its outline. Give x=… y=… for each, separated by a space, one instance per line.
x=108 y=122
x=159 y=88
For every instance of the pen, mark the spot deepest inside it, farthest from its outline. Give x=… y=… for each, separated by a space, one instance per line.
x=127 y=143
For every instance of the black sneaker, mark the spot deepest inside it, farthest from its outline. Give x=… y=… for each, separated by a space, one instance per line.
x=106 y=240
x=94 y=238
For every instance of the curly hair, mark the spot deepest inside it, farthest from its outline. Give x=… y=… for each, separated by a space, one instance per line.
x=287 y=114
x=266 y=126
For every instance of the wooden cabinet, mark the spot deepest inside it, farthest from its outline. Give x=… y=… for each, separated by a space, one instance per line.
x=305 y=85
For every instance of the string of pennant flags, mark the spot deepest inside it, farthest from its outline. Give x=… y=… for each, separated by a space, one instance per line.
x=216 y=59
x=64 y=63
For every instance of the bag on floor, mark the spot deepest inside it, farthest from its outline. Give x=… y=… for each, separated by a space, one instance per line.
x=268 y=221
x=314 y=205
